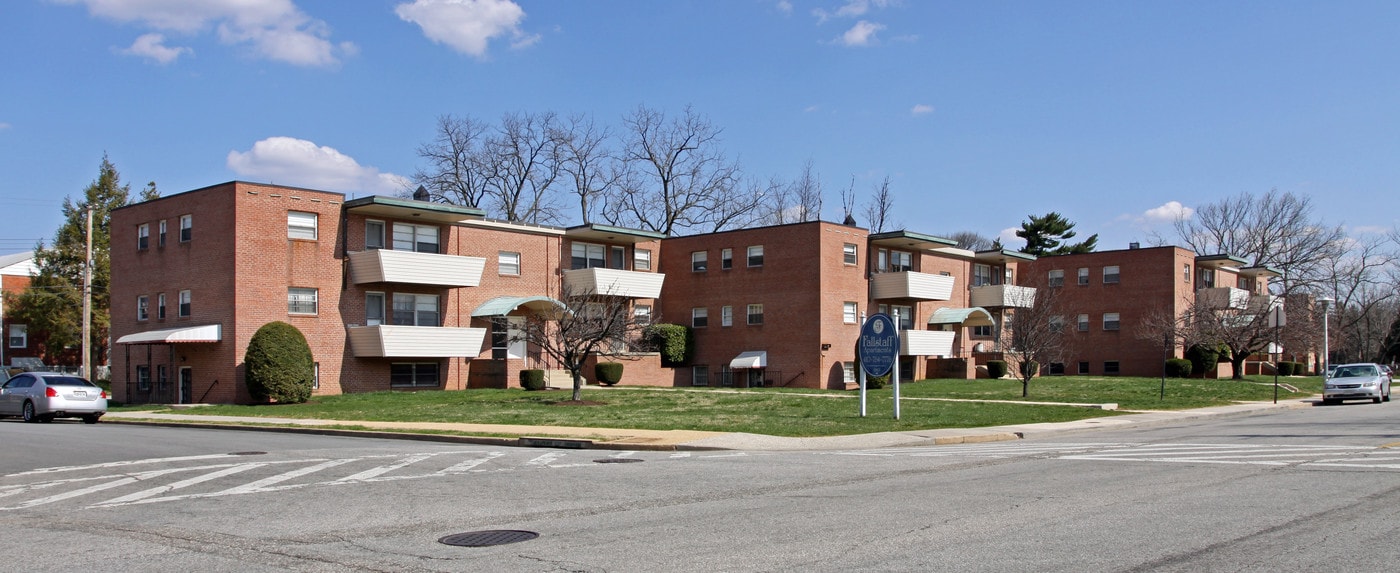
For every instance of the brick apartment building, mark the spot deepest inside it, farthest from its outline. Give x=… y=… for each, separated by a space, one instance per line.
x=781 y=305
x=1105 y=296
x=15 y=272
x=390 y=292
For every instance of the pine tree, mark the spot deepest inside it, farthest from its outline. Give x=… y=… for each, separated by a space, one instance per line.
x=1047 y=235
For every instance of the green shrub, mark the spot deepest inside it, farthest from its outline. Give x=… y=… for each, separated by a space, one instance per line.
x=1284 y=368
x=608 y=373
x=876 y=382
x=532 y=379
x=1203 y=358
x=1029 y=368
x=996 y=369
x=1178 y=368
x=278 y=365
x=674 y=341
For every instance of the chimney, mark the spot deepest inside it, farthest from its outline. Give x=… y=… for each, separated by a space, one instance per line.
x=1134 y=245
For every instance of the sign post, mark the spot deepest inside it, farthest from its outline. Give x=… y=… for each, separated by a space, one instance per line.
x=879 y=354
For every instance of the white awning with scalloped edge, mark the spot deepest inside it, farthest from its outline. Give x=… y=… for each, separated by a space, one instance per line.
x=750 y=359
x=206 y=333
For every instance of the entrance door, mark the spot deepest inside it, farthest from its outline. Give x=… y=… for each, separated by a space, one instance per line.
x=186 y=385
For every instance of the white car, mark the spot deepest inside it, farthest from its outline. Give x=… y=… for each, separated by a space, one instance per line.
x=1363 y=381
x=43 y=396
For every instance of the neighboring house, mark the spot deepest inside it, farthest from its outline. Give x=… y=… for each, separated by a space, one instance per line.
x=1105 y=296
x=15 y=272
x=391 y=293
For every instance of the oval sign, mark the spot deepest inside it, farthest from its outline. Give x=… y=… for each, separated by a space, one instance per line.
x=879 y=345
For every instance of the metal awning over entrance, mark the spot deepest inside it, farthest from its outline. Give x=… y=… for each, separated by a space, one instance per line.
x=750 y=359
x=504 y=305
x=975 y=316
x=206 y=333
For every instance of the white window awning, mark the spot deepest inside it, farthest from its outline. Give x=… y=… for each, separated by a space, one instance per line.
x=750 y=359
x=206 y=333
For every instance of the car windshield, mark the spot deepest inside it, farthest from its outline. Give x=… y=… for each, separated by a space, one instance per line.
x=66 y=381
x=1356 y=371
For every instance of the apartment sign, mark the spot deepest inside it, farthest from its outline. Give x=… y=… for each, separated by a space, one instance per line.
x=879 y=345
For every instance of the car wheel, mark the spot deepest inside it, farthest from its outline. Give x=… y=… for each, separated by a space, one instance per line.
x=28 y=413
x=91 y=419
x=1329 y=402
x=1376 y=400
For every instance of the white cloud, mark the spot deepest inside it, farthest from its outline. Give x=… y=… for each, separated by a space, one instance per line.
x=861 y=34
x=274 y=29
x=784 y=6
x=153 y=46
x=922 y=109
x=468 y=26
x=812 y=108
x=1357 y=230
x=1168 y=212
x=1009 y=239
x=5 y=125
x=851 y=9
x=298 y=162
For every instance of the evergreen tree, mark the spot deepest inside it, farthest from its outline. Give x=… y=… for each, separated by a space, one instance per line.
x=52 y=305
x=1048 y=234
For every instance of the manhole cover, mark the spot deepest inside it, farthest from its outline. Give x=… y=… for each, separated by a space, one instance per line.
x=248 y=454
x=616 y=461
x=488 y=538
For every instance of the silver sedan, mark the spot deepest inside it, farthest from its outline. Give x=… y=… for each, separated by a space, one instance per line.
x=1362 y=381
x=43 y=396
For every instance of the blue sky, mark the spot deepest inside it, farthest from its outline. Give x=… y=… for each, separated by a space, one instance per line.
x=1117 y=114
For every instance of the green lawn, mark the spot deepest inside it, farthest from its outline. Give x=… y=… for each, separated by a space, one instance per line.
x=779 y=412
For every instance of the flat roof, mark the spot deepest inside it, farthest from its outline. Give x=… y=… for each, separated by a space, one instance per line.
x=400 y=208
x=612 y=234
x=910 y=239
x=1220 y=261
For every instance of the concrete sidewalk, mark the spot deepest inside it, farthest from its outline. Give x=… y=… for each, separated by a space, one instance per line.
x=628 y=439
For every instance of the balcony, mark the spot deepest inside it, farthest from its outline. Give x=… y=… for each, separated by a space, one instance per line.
x=1224 y=298
x=926 y=342
x=393 y=341
x=409 y=267
x=1264 y=302
x=1002 y=296
x=909 y=284
x=613 y=282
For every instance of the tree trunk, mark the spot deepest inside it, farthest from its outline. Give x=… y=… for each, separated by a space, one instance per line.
x=578 y=383
x=1237 y=366
x=1025 y=386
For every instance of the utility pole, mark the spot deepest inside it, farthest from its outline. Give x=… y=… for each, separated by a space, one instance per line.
x=87 y=301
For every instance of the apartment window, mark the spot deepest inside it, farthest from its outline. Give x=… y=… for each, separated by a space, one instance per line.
x=1110 y=321
x=301 y=225
x=619 y=258
x=1110 y=275
x=906 y=316
x=848 y=372
x=699 y=261
x=641 y=259
x=160 y=306
x=848 y=254
x=755 y=314
x=726 y=259
x=1057 y=323
x=374 y=235
x=1010 y=275
x=143 y=378
x=756 y=256
x=417 y=238
x=162 y=376
x=1083 y=276
x=1083 y=367
x=508 y=263
x=1244 y=283
x=641 y=314
x=184 y=302
x=1082 y=323
x=901 y=261
x=1186 y=273
x=1206 y=277
x=1057 y=368
x=726 y=316
x=301 y=300
x=850 y=312
x=586 y=256
x=700 y=375
x=141 y=313
x=186 y=228
x=1057 y=278
x=19 y=336
x=699 y=317
x=981 y=275
x=882 y=260
x=416 y=309
x=143 y=236
x=160 y=241
x=982 y=331
x=413 y=374
x=1110 y=367
x=374 y=308
x=507 y=340
x=315 y=375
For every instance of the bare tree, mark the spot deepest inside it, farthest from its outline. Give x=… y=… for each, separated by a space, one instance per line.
x=848 y=203
x=455 y=162
x=807 y=194
x=1245 y=329
x=523 y=162
x=880 y=206
x=587 y=162
x=971 y=240
x=1034 y=337
x=1362 y=281
x=683 y=180
x=586 y=324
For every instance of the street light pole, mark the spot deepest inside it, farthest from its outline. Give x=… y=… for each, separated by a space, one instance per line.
x=1326 y=302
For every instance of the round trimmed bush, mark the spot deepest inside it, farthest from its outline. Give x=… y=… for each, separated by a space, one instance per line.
x=1284 y=368
x=876 y=382
x=1203 y=358
x=608 y=373
x=532 y=379
x=278 y=365
x=996 y=369
x=1030 y=368
x=1178 y=368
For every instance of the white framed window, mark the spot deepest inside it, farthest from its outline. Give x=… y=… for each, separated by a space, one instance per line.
x=418 y=238
x=19 y=336
x=1082 y=323
x=160 y=240
x=186 y=302
x=619 y=258
x=301 y=225
x=143 y=236
x=981 y=274
x=699 y=261
x=849 y=254
x=508 y=263
x=315 y=375
x=641 y=314
x=848 y=372
x=1110 y=275
x=301 y=300
x=641 y=259
x=413 y=374
x=726 y=259
x=850 y=312
x=901 y=261
x=416 y=309
x=726 y=316
x=984 y=331
x=1083 y=276
x=755 y=314
x=586 y=256
x=160 y=306
x=1206 y=277
x=141 y=308
x=1186 y=273
x=374 y=235
x=507 y=337
x=1110 y=321
x=756 y=256
x=143 y=377
x=906 y=315
x=1057 y=323
x=700 y=375
x=186 y=228
x=882 y=260
x=374 y=308
x=1057 y=278
x=699 y=317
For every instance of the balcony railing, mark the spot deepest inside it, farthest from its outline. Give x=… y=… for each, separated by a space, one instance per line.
x=926 y=342
x=614 y=282
x=409 y=267
x=1224 y=297
x=909 y=284
x=1002 y=296
x=394 y=341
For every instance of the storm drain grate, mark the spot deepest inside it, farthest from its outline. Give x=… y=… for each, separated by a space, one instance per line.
x=616 y=461
x=488 y=538
x=247 y=453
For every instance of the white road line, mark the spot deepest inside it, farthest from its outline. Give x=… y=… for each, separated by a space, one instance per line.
x=469 y=465
x=545 y=460
x=122 y=464
x=364 y=475
x=279 y=478
x=626 y=454
x=680 y=455
x=74 y=493
x=152 y=492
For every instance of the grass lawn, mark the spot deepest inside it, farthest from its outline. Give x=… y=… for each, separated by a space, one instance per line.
x=778 y=412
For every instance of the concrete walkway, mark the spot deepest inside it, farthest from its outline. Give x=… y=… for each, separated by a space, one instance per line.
x=628 y=439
